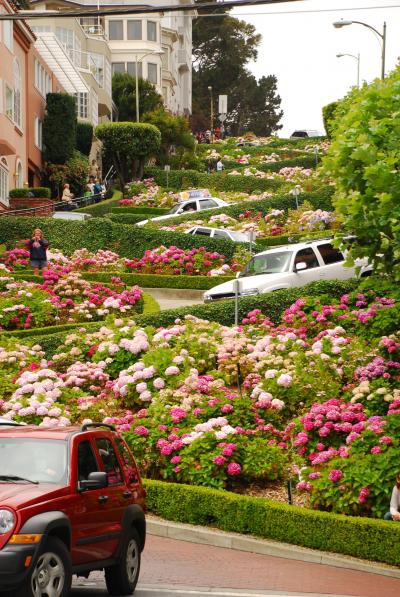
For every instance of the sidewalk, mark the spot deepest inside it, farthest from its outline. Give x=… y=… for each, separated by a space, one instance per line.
x=207 y=536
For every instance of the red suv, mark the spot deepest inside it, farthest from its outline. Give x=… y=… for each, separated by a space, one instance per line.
x=71 y=501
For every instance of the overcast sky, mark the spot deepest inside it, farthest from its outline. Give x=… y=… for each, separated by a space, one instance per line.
x=300 y=49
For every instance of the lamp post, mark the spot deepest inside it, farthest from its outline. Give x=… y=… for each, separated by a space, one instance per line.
x=382 y=36
x=358 y=64
x=157 y=52
x=210 y=89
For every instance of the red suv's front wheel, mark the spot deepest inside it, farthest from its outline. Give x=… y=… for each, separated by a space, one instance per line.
x=52 y=575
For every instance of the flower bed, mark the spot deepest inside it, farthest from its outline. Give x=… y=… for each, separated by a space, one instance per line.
x=159 y=261
x=174 y=390
x=62 y=298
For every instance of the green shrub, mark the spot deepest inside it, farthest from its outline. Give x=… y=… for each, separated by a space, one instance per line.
x=124 y=218
x=101 y=233
x=103 y=207
x=59 y=128
x=184 y=179
x=148 y=212
x=142 y=280
x=329 y=116
x=273 y=241
x=84 y=137
x=307 y=161
x=373 y=540
x=42 y=192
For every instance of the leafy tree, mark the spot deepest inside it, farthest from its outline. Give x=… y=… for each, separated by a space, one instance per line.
x=23 y=4
x=75 y=171
x=59 y=128
x=124 y=96
x=256 y=106
x=329 y=115
x=174 y=131
x=84 y=137
x=129 y=145
x=364 y=160
x=222 y=46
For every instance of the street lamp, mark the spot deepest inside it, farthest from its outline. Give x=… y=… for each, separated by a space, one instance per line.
x=157 y=52
x=210 y=89
x=382 y=36
x=358 y=64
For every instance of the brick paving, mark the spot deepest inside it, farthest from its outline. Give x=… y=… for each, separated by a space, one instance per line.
x=169 y=562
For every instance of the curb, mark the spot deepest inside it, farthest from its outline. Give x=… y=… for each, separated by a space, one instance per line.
x=217 y=538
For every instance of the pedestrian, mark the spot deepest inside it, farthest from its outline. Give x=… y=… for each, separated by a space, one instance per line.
x=94 y=171
x=220 y=165
x=97 y=191
x=67 y=195
x=210 y=166
x=37 y=246
x=394 y=513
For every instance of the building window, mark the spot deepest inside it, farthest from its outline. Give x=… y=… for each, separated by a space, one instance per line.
x=151 y=31
x=8 y=34
x=82 y=107
x=39 y=133
x=9 y=103
x=97 y=67
x=118 y=67
x=134 y=30
x=165 y=58
x=42 y=79
x=19 y=179
x=131 y=69
x=95 y=107
x=116 y=30
x=152 y=73
x=17 y=93
x=3 y=181
x=41 y=28
x=66 y=38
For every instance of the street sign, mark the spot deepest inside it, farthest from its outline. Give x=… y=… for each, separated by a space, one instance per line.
x=222 y=117
x=167 y=167
x=223 y=105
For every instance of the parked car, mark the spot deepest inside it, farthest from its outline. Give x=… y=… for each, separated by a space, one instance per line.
x=71 y=501
x=9 y=423
x=71 y=215
x=305 y=133
x=185 y=207
x=288 y=266
x=236 y=236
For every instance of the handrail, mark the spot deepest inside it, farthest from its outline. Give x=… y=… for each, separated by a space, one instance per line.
x=80 y=201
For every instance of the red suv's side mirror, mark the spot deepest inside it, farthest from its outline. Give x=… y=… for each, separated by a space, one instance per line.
x=97 y=480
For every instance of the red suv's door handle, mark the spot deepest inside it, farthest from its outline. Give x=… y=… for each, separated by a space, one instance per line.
x=103 y=499
x=127 y=494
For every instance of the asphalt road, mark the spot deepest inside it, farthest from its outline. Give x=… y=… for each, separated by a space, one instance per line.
x=172 y=568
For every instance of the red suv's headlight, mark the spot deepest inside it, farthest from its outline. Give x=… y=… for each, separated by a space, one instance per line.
x=7 y=521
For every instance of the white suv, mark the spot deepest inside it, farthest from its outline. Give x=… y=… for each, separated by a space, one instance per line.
x=286 y=267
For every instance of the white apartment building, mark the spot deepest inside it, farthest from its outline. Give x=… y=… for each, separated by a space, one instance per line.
x=160 y=47
x=80 y=59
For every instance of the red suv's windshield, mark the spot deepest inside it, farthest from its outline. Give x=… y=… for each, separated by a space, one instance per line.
x=39 y=460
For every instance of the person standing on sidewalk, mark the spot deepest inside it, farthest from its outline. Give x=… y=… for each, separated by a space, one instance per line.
x=37 y=246
x=394 y=513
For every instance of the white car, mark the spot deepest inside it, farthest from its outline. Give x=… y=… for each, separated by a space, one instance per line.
x=235 y=235
x=186 y=207
x=288 y=266
x=71 y=215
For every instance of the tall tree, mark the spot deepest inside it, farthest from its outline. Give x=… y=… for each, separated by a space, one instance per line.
x=59 y=128
x=124 y=96
x=222 y=46
x=174 y=132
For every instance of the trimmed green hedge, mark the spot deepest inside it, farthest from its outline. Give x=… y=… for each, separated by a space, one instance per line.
x=41 y=192
x=184 y=179
x=103 y=207
x=142 y=280
x=284 y=239
x=307 y=161
x=365 y=538
x=223 y=312
x=129 y=219
x=148 y=212
x=102 y=233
